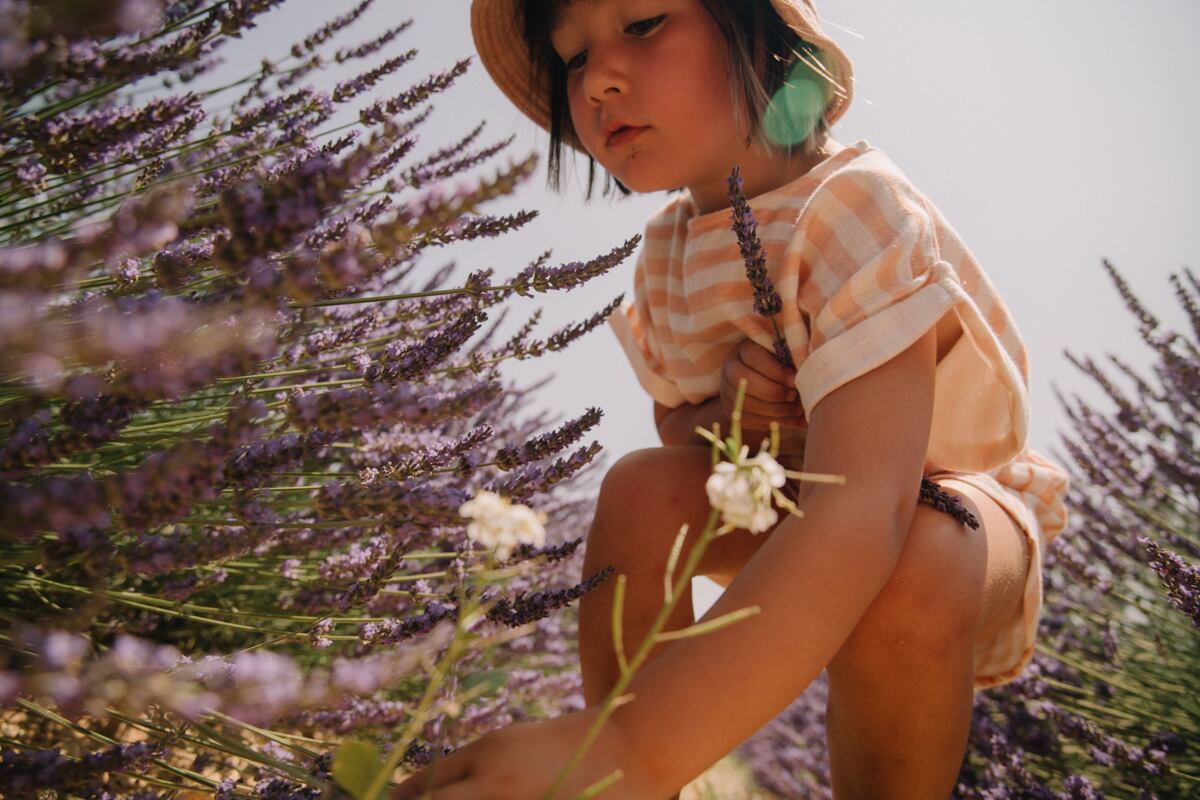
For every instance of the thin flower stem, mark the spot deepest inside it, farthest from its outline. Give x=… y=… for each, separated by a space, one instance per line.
x=279 y=374
x=309 y=620
x=148 y=607
x=296 y=773
x=46 y=713
x=1088 y=669
x=614 y=699
x=149 y=726
x=1083 y=703
x=618 y=630
x=471 y=607
x=266 y=734
x=46 y=112
x=333 y=523
x=1153 y=517
x=183 y=420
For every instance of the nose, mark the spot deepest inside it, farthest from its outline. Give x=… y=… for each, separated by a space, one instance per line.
x=605 y=77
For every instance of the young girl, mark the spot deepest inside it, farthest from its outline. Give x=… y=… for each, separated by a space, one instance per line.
x=908 y=364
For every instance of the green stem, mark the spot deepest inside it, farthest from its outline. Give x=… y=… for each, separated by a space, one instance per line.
x=297 y=774
x=614 y=698
x=441 y=671
x=1156 y=519
x=1088 y=669
x=46 y=713
x=156 y=609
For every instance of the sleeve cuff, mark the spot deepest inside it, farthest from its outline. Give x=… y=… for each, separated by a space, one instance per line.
x=658 y=387
x=872 y=342
x=980 y=408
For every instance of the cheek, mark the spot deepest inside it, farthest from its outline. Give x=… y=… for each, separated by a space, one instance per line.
x=577 y=108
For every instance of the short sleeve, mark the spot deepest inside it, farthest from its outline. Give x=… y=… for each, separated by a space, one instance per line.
x=872 y=283
x=631 y=322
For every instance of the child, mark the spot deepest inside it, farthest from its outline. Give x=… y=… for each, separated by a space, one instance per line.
x=908 y=364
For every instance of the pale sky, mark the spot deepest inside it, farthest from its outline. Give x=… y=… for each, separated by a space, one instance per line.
x=1050 y=134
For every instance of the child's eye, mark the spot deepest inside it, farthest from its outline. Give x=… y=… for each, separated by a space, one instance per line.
x=644 y=26
x=640 y=28
x=576 y=61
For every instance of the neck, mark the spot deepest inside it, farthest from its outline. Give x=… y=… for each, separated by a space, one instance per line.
x=761 y=171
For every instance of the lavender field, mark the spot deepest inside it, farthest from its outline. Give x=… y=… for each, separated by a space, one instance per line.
x=244 y=403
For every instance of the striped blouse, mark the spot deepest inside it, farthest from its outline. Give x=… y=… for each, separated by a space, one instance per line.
x=864 y=265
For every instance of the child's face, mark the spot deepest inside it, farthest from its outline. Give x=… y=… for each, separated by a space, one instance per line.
x=660 y=69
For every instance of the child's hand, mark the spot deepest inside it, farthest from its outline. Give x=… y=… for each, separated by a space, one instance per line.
x=770 y=389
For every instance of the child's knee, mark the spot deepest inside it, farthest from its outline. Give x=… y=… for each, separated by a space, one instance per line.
x=939 y=577
x=644 y=498
x=627 y=488
x=928 y=607
x=651 y=477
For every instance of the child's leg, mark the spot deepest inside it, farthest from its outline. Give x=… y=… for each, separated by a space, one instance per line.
x=901 y=688
x=644 y=499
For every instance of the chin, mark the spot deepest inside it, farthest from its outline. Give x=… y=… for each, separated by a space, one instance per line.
x=641 y=186
x=645 y=180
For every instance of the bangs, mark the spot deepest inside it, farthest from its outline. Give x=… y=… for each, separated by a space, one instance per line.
x=548 y=79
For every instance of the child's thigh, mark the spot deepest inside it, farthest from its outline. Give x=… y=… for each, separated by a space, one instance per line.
x=1007 y=553
x=956 y=579
x=646 y=496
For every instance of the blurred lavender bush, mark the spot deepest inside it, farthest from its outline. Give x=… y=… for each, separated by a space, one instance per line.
x=238 y=414
x=1110 y=705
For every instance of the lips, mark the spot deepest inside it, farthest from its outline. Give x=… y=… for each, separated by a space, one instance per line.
x=625 y=134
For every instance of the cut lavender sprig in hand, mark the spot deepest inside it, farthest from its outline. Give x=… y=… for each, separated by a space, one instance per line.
x=766 y=300
x=768 y=303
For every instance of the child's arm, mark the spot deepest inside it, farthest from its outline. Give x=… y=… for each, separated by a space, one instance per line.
x=813 y=579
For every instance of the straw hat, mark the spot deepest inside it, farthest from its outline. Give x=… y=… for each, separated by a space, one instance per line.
x=501 y=47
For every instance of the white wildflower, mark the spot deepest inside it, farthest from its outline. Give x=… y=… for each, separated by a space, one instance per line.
x=742 y=490
x=499 y=523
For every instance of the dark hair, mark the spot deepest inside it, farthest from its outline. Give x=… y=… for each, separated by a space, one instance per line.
x=765 y=56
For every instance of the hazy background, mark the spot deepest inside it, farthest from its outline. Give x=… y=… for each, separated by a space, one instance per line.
x=1050 y=133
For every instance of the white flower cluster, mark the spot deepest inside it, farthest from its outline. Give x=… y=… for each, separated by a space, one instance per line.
x=499 y=523
x=742 y=490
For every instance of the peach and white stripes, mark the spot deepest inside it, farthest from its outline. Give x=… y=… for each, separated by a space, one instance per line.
x=864 y=265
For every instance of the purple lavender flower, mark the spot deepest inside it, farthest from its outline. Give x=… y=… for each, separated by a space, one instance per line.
x=361 y=83
x=550 y=443
x=414 y=96
x=109 y=134
x=215 y=439
x=373 y=406
x=766 y=300
x=373 y=46
x=523 y=609
x=326 y=31
x=24 y=774
x=568 y=276
x=1181 y=580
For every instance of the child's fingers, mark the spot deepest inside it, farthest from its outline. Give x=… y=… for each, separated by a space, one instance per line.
x=758 y=386
x=764 y=362
x=757 y=406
